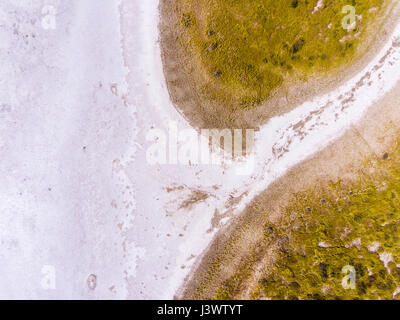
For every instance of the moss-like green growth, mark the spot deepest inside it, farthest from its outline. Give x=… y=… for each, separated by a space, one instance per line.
x=342 y=224
x=246 y=49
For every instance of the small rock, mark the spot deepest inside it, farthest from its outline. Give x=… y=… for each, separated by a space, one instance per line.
x=217 y=73
x=92 y=281
x=385 y=156
x=269 y=229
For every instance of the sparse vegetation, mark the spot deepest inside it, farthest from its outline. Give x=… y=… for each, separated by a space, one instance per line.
x=352 y=222
x=349 y=224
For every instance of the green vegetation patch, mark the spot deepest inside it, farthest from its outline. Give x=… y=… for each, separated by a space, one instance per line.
x=246 y=49
x=338 y=240
x=355 y=225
